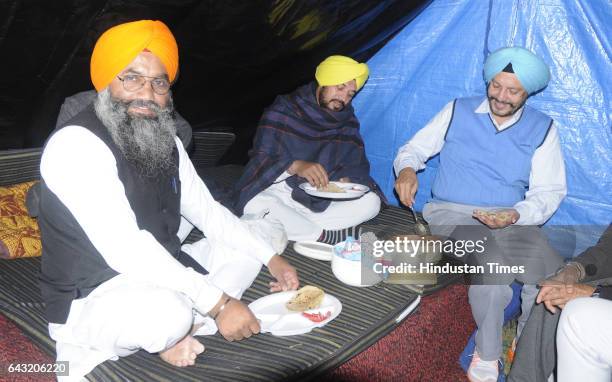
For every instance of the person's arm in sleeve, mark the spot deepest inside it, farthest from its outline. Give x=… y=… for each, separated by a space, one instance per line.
x=81 y=171
x=221 y=226
x=217 y=222
x=411 y=157
x=597 y=260
x=547 y=184
x=426 y=143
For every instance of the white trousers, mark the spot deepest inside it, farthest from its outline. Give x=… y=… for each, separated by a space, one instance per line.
x=584 y=341
x=122 y=316
x=303 y=224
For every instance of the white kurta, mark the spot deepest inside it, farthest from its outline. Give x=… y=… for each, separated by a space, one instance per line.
x=303 y=224
x=149 y=305
x=584 y=341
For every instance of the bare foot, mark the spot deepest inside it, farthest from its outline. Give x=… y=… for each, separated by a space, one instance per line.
x=183 y=353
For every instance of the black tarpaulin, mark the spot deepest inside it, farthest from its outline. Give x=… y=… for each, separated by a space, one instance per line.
x=235 y=56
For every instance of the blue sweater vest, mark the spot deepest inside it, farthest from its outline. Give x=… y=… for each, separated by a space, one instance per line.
x=482 y=166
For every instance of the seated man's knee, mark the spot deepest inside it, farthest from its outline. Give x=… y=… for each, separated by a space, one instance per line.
x=164 y=323
x=126 y=319
x=368 y=206
x=490 y=293
x=172 y=307
x=373 y=201
x=576 y=314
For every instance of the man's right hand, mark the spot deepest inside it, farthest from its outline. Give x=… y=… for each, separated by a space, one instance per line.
x=236 y=321
x=406 y=186
x=313 y=172
x=557 y=296
x=559 y=283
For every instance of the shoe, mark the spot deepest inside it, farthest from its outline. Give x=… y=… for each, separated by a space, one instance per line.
x=482 y=371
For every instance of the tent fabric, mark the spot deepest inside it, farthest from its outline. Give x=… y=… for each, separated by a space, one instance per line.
x=439 y=56
x=235 y=55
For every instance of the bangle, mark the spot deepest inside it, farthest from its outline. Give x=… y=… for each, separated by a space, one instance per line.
x=578 y=267
x=221 y=308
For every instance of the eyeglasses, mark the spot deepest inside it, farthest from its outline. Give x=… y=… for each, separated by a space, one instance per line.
x=135 y=82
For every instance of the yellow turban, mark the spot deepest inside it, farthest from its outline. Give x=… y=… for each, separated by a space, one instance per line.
x=118 y=46
x=336 y=70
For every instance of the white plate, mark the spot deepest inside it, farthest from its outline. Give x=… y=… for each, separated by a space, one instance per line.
x=314 y=250
x=276 y=319
x=353 y=190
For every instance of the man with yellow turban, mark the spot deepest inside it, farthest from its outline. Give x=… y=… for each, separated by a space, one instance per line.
x=115 y=182
x=311 y=135
x=501 y=175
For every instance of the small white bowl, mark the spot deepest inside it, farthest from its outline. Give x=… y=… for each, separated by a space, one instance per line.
x=350 y=272
x=347 y=271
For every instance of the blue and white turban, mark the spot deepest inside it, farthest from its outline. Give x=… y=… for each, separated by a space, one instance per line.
x=530 y=70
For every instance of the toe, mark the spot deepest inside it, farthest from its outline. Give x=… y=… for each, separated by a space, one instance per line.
x=199 y=348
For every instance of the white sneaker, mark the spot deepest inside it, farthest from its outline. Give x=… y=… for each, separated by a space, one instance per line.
x=482 y=371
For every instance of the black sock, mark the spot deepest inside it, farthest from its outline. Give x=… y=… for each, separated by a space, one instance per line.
x=334 y=236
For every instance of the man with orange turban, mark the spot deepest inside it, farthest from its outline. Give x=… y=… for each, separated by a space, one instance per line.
x=115 y=182
x=311 y=136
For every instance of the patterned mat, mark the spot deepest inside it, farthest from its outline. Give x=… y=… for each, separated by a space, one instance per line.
x=367 y=315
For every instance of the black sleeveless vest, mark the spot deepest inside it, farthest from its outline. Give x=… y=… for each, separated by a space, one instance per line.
x=71 y=266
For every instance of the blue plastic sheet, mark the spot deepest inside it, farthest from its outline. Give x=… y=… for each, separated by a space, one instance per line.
x=439 y=56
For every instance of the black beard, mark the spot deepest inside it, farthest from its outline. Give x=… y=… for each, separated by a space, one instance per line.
x=146 y=142
x=514 y=108
x=326 y=104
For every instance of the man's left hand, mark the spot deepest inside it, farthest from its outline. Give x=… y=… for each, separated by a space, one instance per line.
x=285 y=275
x=497 y=219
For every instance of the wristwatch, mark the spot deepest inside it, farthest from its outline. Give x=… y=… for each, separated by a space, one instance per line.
x=596 y=291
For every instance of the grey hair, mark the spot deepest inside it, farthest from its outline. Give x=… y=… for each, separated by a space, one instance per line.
x=146 y=142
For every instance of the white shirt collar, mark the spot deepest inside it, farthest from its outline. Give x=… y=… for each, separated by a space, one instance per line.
x=484 y=108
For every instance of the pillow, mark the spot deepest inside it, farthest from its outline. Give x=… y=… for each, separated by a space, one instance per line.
x=19 y=233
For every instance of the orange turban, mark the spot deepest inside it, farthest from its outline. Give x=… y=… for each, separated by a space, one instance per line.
x=118 y=46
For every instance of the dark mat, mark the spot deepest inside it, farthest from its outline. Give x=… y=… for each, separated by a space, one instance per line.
x=367 y=315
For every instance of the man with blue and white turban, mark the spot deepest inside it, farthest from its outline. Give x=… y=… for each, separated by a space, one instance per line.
x=501 y=175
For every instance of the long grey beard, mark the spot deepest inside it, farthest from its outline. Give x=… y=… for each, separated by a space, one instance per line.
x=147 y=143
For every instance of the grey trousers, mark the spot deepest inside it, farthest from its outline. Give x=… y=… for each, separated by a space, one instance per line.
x=490 y=294
x=535 y=356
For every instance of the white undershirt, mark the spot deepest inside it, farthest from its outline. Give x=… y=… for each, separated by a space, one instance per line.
x=547 y=184
x=81 y=171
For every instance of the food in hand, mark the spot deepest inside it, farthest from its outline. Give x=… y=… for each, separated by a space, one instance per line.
x=308 y=297
x=505 y=216
x=331 y=187
x=501 y=215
